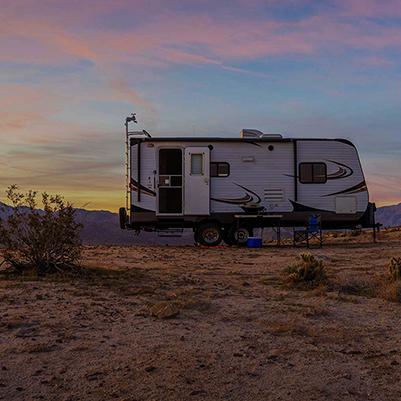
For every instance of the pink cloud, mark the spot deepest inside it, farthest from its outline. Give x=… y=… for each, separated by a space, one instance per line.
x=247 y=72
x=23 y=106
x=370 y=8
x=374 y=61
x=172 y=38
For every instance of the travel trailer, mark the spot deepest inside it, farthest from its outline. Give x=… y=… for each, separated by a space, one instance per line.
x=223 y=188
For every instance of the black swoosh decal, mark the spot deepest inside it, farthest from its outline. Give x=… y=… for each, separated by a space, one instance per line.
x=353 y=190
x=341 y=173
x=246 y=199
x=253 y=193
x=299 y=207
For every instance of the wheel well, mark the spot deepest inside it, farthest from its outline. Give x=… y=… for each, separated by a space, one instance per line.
x=204 y=221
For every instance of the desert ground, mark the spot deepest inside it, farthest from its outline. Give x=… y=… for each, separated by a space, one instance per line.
x=243 y=332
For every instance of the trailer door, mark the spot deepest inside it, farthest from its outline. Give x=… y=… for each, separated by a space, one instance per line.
x=197 y=181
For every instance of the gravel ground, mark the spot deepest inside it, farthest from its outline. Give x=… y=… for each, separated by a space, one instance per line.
x=243 y=331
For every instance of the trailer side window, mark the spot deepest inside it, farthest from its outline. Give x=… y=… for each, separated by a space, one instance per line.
x=312 y=173
x=197 y=164
x=219 y=169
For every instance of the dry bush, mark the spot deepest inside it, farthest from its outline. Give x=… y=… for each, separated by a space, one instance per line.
x=391 y=291
x=357 y=285
x=394 y=269
x=391 y=284
x=39 y=241
x=386 y=286
x=356 y=232
x=306 y=269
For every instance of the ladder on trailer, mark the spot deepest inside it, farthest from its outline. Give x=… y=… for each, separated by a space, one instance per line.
x=128 y=161
x=128 y=134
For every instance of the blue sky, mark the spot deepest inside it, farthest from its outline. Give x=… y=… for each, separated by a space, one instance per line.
x=71 y=73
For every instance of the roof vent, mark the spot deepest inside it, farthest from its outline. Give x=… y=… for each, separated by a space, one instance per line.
x=279 y=136
x=254 y=133
x=250 y=133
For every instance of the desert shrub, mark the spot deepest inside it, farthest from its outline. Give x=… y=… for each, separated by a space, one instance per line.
x=306 y=269
x=357 y=285
x=356 y=232
x=391 y=291
x=394 y=269
x=390 y=288
x=39 y=241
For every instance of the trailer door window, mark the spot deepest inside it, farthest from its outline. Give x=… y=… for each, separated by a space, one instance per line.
x=219 y=169
x=197 y=164
x=312 y=173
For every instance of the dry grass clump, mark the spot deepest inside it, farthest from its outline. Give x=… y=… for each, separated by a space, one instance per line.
x=357 y=285
x=356 y=232
x=395 y=269
x=391 y=285
x=392 y=292
x=306 y=269
x=386 y=286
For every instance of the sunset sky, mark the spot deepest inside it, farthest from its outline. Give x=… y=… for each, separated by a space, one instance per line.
x=71 y=71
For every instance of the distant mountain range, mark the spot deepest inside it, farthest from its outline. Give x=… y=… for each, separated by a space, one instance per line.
x=389 y=216
x=101 y=227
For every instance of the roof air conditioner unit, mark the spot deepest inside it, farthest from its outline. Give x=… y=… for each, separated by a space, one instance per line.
x=250 y=133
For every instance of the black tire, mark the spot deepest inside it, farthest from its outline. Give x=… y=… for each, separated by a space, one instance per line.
x=209 y=234
x=244 y=234
x=122 y=213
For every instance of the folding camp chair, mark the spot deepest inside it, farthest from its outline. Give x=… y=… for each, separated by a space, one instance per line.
x=312 y=231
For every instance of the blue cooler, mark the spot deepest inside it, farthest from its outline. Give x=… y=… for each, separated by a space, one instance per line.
x=254 y=242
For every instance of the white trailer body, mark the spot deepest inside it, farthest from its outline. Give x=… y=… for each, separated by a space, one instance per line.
x=185 y=182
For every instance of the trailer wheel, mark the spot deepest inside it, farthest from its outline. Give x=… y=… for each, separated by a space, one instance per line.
x=122 y=217
x=240 y=236
x=209 y=234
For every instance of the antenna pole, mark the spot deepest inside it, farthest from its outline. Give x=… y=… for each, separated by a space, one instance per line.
x=128 y=161
x=127 y=167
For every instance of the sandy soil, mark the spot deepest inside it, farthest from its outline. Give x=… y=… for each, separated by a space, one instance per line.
x=242 y=332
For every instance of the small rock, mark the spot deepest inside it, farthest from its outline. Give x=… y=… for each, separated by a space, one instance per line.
x=164 y=310
x=3 y=368
x=39 y=297
x=198 y=392
x=253 y=374
x=19 y=389
x=150 y=368
x=181 y=338
x=37 y=372
x=343 y=376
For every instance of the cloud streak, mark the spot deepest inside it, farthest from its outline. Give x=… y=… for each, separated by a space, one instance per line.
x=71 y=71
